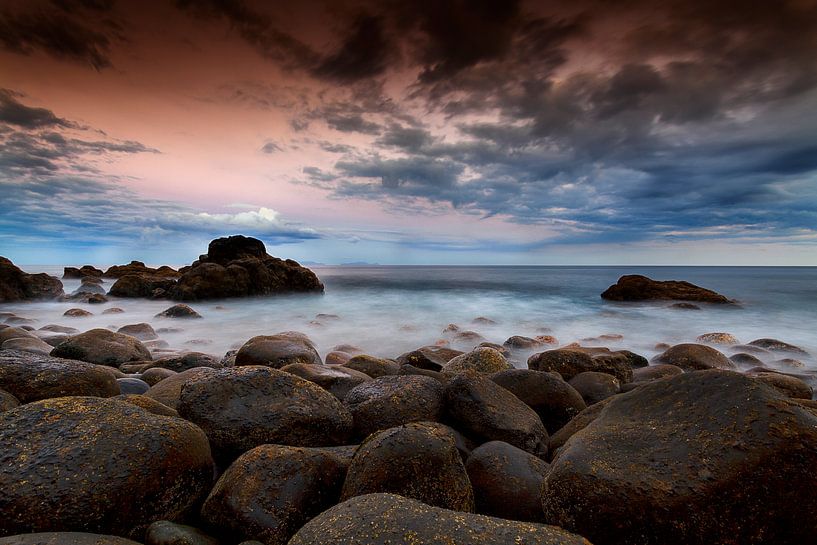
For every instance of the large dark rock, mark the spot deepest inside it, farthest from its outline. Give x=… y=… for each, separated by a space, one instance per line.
x=103 y=347
x=142 y=285
x=553 y=399
x=32 y=377
x=415 y=461
x=481 y=360
x=188 y=360
x=96 y=465
x=694 y=357
x=700 y=458
x=139 y=268
x=507 y=481
x=635 y=287
x=333 y=378
x=239 y=266
x=82 y=272
x=484 y=410
x=240 y=408
x=374 y=367
x=16 y=285
x=391 y=401
x=569 y=362
x=65 y=538
x=389 y=519
x=169 y=389
x=778 y=346
x=142 y=331
x=428 y=357
x=179 y=311
x=594 y=386
x=295 y=484
x=278 y=350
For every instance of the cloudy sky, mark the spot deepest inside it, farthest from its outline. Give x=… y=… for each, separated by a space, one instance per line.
x=432 y=131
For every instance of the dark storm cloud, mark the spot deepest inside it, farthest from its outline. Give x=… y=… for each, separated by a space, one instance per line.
x=13 y=112
x=74 y=30
x=364 y=53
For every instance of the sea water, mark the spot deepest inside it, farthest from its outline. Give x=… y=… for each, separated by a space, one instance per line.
x=388 y=310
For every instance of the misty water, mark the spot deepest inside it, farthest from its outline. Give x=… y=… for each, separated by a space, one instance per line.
x=389 y=310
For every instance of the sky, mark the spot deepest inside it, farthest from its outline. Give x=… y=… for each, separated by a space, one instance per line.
x=427 y=132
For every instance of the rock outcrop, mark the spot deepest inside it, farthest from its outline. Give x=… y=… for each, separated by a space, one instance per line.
x=17 y=285
x=634 y=287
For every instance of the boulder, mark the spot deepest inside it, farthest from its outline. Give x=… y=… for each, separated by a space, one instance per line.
x=278 y=350
x=139 y=268
x=335 y=379
x=486 y=411
x=717 y=338
x=65 y=538
x=595 y=387
x=239 y=266
x=77 y=313
x=391 y=401
x=82 y=272
x=113 y=310
x=518 y=342
x=786 y=384
x=576 y=424
x=742 y=359
x=569 y=362
x=53 y=328
x=131 y=385
x=415 y=461
x=635 y=287
x=168 y=390
x=8 y=333
x=188 y=360
x=150 y=405
x=389 y=519
x=507 y=481
x=164 y=532
x=97 y=465
x=103 y=347
x=374 y=367
x=240 y=408
x=143 y=331
x=16 y=285
x=141 y=285
x=155 y=375
x=735 y=465
x=27 y=344
x=428 y=357
x=481 y=360
x=655 y=372
x=778 y=346
x=89 y=288
x=553 y=399
x=32 y=377
x=297 y=484
x=179 y=311
x=694 y=357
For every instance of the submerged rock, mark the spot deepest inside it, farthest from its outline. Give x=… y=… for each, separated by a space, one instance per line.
x=179 y=311
x=738 y=460
x=143 y=331
x=640 y=288
x=96 y=465
x=778 y=346
x=389 y=519
x=717 y=338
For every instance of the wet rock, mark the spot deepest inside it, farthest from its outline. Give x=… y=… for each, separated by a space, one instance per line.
x=389 y=519
x=239 y=266
x=507 y=481
x=717 y=338
x=143 y=331
x=693 y=357
x=335 y=379
x=149 y=404
x=547 y=339
x=374 y=367
x=569 y=362
x=518 y=342
x=8 y=333
x=481 y=360
x=77 y=313
x=16 y=285
x=468 y=338
x=65 y=538
x=8 y=401
x=786 y=384
x=278 y=350
x=113 y=310
x=188 y=360
x=778 y=346
x=27 y=344
x=20 y=321
x=103 y=347
x=164 y=532
x=154 y=375
x=504 y=350
x=89 y=288
x=240 y=408
x=118 y=467
x=337 y=358
x=84 y=271
x=415 y=461
x=411 y=370
x=428 y=357
x=142 y=285
x=297 y=484
x=656 y=371
x=179 y=311
x=789 y=362
x=640 y=288
x=168 y=390
x=743 y=359
x=53 y=328
x=391 y=401
x=636 y=360
x=685 y=306
x=738 y=460
x=578 y=423
x=139 y=268
x=553 y=399
x=130 y=385
x=595 y=387
x=482 y=409
x=32 y=377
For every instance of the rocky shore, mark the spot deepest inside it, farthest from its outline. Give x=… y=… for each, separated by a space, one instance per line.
x=108 y=438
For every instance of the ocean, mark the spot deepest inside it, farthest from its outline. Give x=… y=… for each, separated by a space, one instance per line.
x=388 y=310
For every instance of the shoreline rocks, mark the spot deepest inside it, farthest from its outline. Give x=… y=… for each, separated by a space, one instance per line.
x=17 y=285
x=635 y=287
